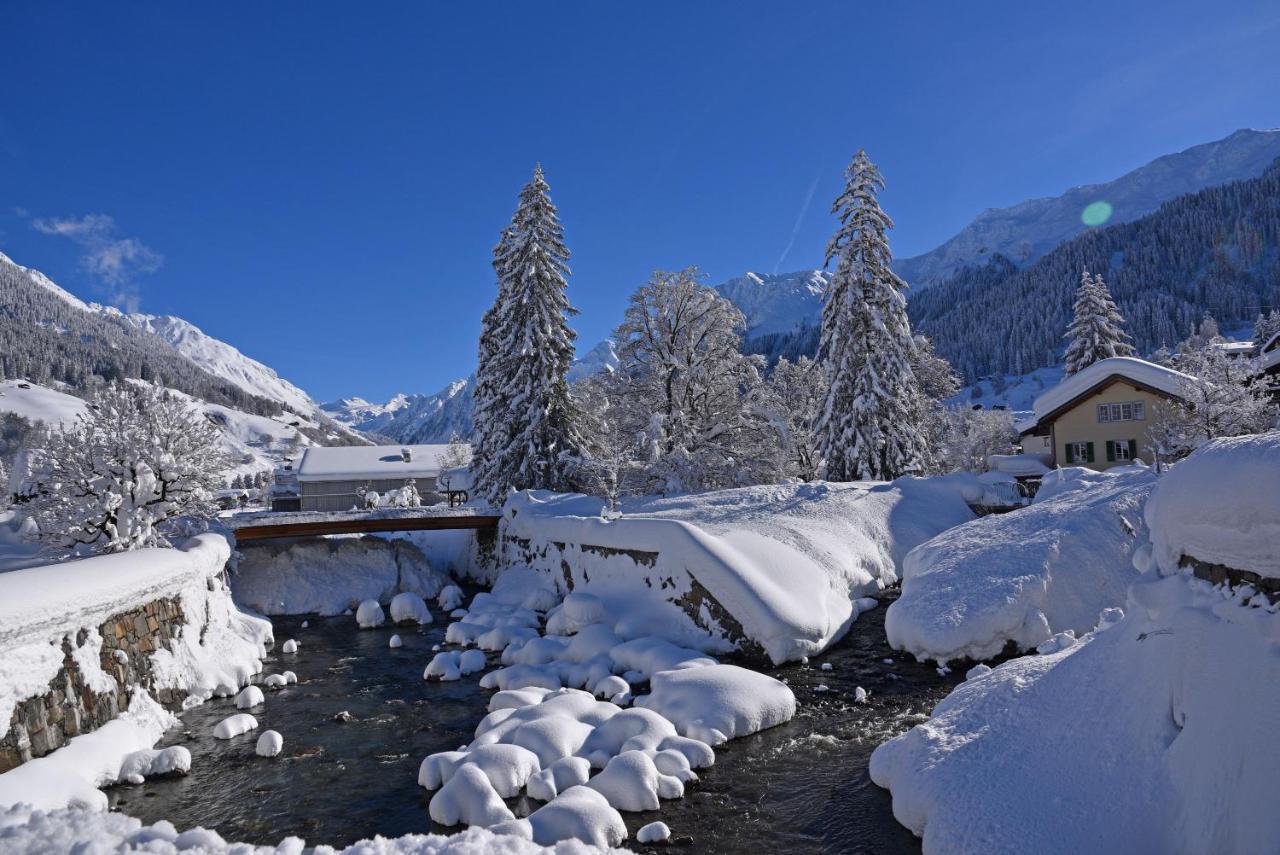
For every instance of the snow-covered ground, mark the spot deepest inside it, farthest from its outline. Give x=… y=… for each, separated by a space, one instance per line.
x=40 y=607
x=1154 y=733
x=1024 y=576
x=39 y=404
x=790 y=563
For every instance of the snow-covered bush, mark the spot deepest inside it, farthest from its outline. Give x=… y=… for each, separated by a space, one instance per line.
x=971 y=436
x=138 y=459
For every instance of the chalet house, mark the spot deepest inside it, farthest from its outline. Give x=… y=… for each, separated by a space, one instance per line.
x=1098 y=417
x=332 y=478
x=1269 y=364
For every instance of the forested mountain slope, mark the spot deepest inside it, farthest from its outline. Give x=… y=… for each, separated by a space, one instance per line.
x=1216 y=251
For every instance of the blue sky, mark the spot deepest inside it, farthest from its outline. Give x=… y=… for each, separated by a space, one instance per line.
x=321 y=184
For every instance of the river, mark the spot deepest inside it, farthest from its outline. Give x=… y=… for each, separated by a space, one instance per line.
x=800 y=787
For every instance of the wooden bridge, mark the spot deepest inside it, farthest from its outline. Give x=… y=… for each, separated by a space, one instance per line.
x=274 y=524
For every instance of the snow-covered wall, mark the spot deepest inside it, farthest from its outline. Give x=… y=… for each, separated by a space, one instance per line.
x=781 y=568
x=84 y=641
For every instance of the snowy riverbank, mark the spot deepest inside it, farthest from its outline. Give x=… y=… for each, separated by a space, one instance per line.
x=790 y=564
x=1152 y=733
x=84 y=641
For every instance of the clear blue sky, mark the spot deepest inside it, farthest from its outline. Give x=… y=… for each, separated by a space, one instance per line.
x=320 y=184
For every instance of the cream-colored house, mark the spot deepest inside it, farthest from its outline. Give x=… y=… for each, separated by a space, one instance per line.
x=1098 y=417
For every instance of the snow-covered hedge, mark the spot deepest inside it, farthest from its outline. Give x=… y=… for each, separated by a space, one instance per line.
x=1155 y=734
x=788 y=563
x=1222 y=506
x=1026 y=575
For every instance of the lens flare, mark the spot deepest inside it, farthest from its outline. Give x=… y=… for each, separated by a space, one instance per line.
x=1096 y=213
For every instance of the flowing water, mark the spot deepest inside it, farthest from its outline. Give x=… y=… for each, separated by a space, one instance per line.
x=799 y=787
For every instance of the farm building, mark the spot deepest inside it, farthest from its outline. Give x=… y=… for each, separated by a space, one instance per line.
x=335 y=478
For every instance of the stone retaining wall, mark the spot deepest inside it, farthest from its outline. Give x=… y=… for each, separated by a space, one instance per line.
x=43 y=723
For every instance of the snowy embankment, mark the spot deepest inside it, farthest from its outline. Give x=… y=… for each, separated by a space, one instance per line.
x=788 y=563
x=1154 y=733
x=44 y=608
x=1025 y=576
x=329 y=575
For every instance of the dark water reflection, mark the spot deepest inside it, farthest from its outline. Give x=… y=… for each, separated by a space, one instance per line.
x=800 y=787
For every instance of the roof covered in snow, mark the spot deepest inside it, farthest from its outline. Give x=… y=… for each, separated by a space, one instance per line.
x=1018 y=465
x=345 y=463
x=1139 y=371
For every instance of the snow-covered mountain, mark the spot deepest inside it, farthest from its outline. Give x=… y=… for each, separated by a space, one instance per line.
x=777 y=303
x=410 y=418
x=602 y=357
x=65 y=341
x=1030 y=229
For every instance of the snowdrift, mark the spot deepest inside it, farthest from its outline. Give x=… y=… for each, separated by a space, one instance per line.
x=1155 y=734
x=1026 y=575
x=786 y=563
x=1221 y=506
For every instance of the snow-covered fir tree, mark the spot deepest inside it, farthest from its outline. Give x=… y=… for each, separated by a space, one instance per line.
x=525 y=436
x=686 y=390
x=1096 y=328
x=138 y=459
x=868 y=424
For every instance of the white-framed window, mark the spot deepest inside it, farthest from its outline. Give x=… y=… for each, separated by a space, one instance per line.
x=1079 y=452
x=1122 y=411
x=1122 y=450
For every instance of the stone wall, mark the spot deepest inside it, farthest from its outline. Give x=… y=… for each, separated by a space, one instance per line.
x=71 y=706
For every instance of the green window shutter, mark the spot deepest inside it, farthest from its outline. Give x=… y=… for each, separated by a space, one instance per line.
x=1133 y=449
x=1071 y=452
x=1111 y=450
x=1088 y=458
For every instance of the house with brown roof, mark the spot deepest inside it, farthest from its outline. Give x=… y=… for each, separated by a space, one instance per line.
x=1099 y=416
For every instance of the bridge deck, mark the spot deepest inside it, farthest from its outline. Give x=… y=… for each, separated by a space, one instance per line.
x=267 y=526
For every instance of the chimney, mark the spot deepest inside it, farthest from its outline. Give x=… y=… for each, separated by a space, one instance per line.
x=406 y=454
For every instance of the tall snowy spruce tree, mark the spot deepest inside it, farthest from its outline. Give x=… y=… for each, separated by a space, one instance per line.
x=868 y=423
x=1095 y=332
x=525 y=437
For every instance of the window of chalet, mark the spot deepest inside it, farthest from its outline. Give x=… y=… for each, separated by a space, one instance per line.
x=1079 y=452
x=1124 y=411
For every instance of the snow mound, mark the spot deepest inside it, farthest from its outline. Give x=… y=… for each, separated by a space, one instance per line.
x=579 y=813
x=1025 y=575
x=654 y=832
x=1221 y=506
x=408 y=607
x=270 y=743
x=468 y=798
x=631 y=782
x=450 y=598
x=289 y=646
x=449 y=665
x=1151 y=728
x=395 y=641
x=140 y=765
x=234 y=725
x=716 y=703
x=369 y=615
x=249 y=697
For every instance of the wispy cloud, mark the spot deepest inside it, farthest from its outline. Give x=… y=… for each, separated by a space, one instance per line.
x=795 y=229
x=116 y=261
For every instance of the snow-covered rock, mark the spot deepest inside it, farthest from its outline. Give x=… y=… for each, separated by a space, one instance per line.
x=408 y=607
x=716 y=703
x=1221 y=506
x=289 y=646
x=468 y=798
x=395 y=641
x=578 y=813
x=234 y=725
x=249 y=697
x=450 y=598
x=654 y=832
x=631 y=782
x=140 y=765
x=369 y=615
x=1026 y=575
x=270 y=743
